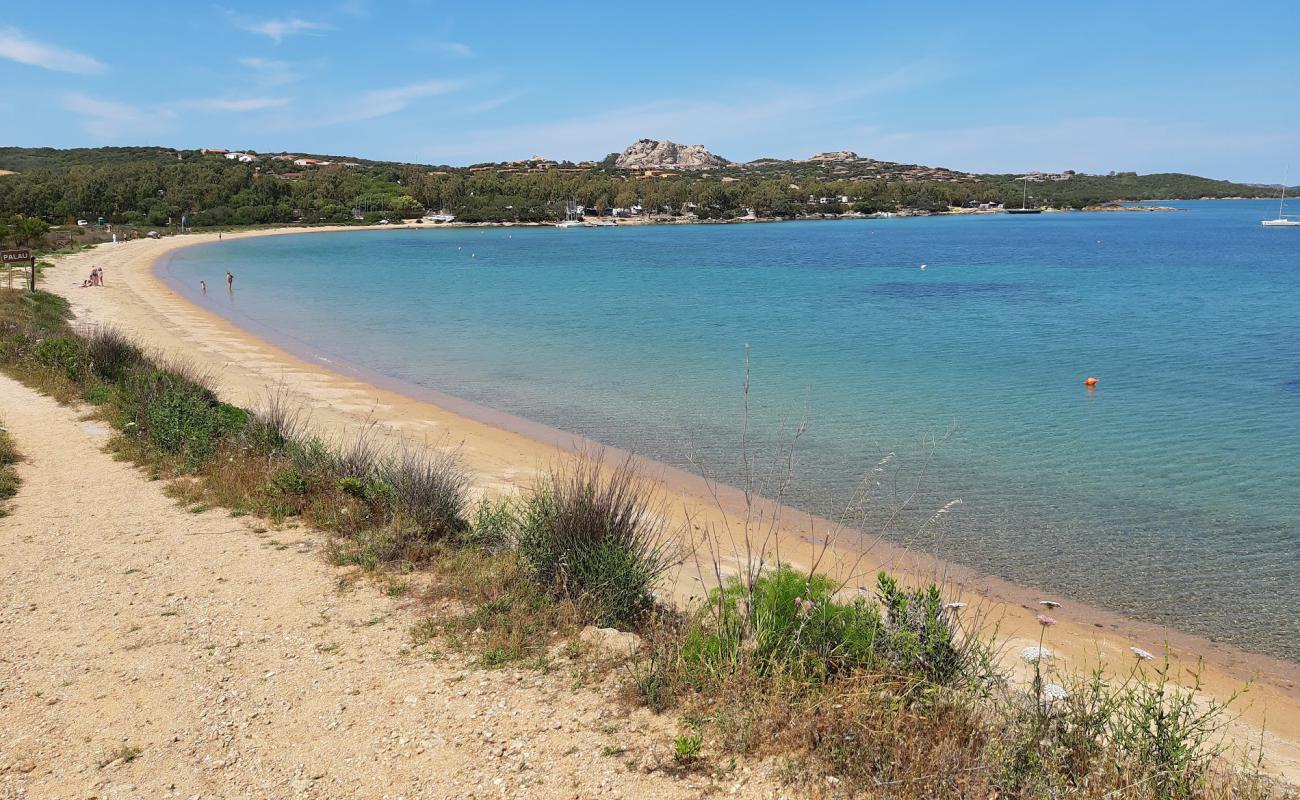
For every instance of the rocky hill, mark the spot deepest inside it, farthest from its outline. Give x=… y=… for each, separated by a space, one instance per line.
x=838 y=155
x=650 y=153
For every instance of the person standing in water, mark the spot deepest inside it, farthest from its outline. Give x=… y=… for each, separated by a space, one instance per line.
x=230 y=282
x=203 y=287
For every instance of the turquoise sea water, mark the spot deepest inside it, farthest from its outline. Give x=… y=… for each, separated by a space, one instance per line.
x=1171 y=493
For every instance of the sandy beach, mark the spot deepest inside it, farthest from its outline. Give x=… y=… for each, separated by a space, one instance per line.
x=506 y=453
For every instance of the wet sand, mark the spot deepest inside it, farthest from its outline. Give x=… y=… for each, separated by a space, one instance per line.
x=507 y=453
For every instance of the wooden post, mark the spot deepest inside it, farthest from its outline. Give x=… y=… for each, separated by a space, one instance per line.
x=32 y=276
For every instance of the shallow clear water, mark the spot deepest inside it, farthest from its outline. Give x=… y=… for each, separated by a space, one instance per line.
x=1170 y=493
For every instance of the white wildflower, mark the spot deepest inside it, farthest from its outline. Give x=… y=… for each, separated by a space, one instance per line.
x=1033 y=655
x=1053 y=692
x=1049 y=604
x=1142 y=654
x=956 y=606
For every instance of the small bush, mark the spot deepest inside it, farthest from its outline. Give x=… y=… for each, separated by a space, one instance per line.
x=274 y=425
x=596 y=538
x=62 y=353
x=791 y=623
x=495 y=525
x=177 y=414
x=98 y=395
x=429 y=489
x=110 y=353
x=9 y=456
x=288 y=481
x=686 y=748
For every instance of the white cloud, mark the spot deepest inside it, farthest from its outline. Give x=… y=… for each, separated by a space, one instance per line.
x=381 y=102
x=270 y=72
x=491 y=103
x=234 y=104
x=17 y=47
x=277 y=29
x=780 y=113
x=107 y=119
x=454 y=49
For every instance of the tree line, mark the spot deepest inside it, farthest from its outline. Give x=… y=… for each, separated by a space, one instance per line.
x=154 y=187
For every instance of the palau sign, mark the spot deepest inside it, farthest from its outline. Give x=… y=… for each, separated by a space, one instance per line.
x=14 y=256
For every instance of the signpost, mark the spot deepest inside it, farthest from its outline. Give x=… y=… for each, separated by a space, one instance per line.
x=16 y=256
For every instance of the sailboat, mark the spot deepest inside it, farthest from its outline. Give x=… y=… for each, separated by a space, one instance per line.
x=1024 y=201
x=1283 y=220
x=571 y=217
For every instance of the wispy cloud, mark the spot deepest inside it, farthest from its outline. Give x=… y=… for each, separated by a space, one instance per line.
x=491 y=103
x=234 y=104
x=780 y=112
x=271 y=72
x=15 y=46
x=276 y=29
x=107 y=119
x=454 y=49
x=381 y=102
x=354 y=8
x=1089 y=144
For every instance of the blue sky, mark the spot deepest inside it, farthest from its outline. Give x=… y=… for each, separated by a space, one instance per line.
x=1191 y=86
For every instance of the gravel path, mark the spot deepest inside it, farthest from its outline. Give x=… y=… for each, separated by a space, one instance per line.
x=150 y=652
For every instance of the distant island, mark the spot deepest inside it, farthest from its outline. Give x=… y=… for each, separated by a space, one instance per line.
x=652 y=180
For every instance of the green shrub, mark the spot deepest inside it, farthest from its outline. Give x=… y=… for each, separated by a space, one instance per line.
x=177 y=414
x=63 y=353
x=428 y=492
x=9 y=480
x=111 y=354
x=495 y=524
x=921 y=639
x=596 y=538
x=288 y=481
x=370 y=490
x=686 y=748
x=792 y=624
x=98 y=395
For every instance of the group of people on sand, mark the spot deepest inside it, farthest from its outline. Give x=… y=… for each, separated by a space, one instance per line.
x=230 y=284
x=96 y=278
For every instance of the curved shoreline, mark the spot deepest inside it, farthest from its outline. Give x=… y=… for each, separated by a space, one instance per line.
x=506 y=452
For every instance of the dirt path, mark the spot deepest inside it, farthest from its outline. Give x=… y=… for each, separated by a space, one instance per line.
x=233 y=664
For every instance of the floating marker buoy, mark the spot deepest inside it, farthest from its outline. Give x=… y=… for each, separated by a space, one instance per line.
x=1090 y=382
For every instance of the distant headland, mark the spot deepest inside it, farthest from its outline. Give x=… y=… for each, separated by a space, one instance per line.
x=652 y=180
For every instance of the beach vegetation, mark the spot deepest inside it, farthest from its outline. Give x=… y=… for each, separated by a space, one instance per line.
x=594 y=535
x=686 y=747
x=887 y=692
x=110 y=353
x=9 y=478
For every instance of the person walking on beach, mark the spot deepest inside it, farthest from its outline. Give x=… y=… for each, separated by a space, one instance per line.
x=230 y=282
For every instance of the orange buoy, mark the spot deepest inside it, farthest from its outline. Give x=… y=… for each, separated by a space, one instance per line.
x=1090 y=382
